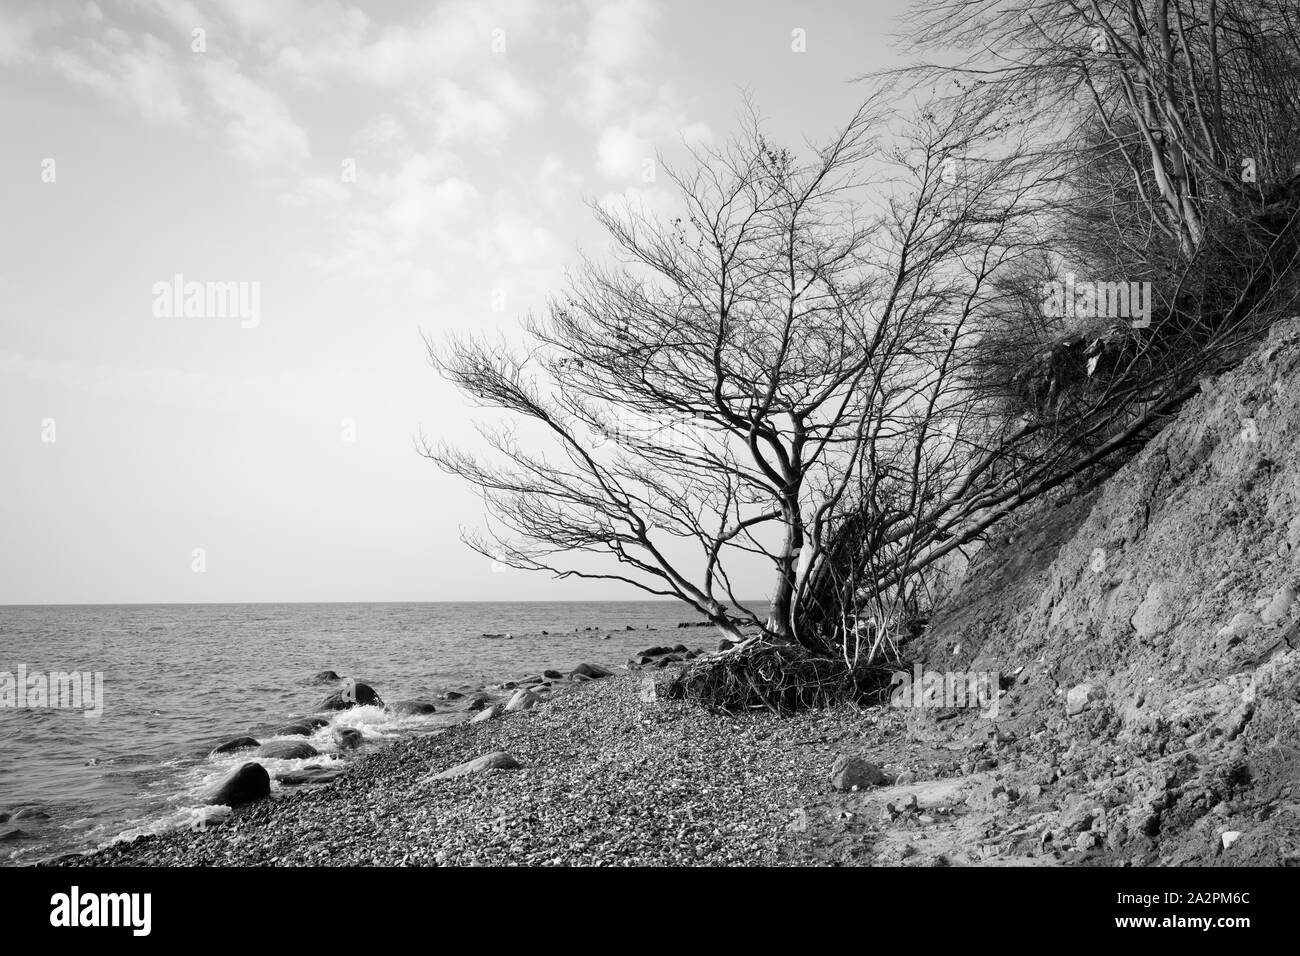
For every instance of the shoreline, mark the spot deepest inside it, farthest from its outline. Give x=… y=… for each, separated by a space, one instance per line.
x=605 y=777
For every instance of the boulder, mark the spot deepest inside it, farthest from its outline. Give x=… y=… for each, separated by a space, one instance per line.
x=294 y=730
x=287 y=750
x=355 y=695
x=487 y=713
x=590 y=671
x=523 y=700
x=308 y=775
x=314 y=721
x=851 y=771
x=244 y=784
x=325 y=677
x=478 y=702
x=412 y=708
x=452 y=695
x=498 y=760
x=656 y=651
x=237 y=743
x=552 y=675
x=347 y=738
x=1079 y=696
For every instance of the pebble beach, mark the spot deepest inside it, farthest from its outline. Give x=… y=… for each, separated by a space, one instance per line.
x=605 y=777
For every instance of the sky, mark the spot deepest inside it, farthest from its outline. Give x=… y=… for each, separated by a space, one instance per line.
x=340 y=180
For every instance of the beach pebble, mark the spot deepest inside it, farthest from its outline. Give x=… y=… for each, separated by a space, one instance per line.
x=523 y=700
x=487 y=713
x=497 y=760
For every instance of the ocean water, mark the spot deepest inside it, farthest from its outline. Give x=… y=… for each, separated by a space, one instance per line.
x=179 y=679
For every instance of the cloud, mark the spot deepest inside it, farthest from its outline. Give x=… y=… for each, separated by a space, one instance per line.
x=141 y=74
x=261 y=130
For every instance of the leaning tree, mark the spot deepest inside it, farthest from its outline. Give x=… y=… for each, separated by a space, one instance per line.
x=784 y=356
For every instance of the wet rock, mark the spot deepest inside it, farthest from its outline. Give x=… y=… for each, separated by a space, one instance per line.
x=357 y=695
x=325 y=677
x=590 y=672
x=309 y=775
x=478 y=702
x=487 y=713
x=244 y=784
x=287 y=750
x=498 y=760
x=850 y=771
x=655 y=651
x=552 y=675
x=237 y=743
x=412 y=708
x=347 y=738
x=294 y=730
x=30 y=813
x=452 y=695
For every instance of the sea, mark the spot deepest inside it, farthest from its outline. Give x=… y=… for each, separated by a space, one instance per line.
x=135 y=756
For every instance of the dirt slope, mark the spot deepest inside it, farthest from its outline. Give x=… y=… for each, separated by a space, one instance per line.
x=1166 y=600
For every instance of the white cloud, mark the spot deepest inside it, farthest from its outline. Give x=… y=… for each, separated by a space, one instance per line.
x=261 y=129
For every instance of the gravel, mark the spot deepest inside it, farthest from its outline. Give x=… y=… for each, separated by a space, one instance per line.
x=607 y=778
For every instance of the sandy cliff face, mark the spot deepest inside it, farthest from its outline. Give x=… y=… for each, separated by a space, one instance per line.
x=1147 y=635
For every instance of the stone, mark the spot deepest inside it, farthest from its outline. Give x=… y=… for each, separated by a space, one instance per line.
x=294 y=730
x=1077 y=813
x=356 y=695
x=325 y=677
x=590 y=671
x=850 y=771
x=244 y=784
x=30 y=813
x=1080 y=695
x=655 y=651
x=522 y=700
x=477 y=702
x=236 y=743
x=347 y=738
x=287 y=750
x=1279 y=607
x=452 y=695
x=552 y=675
x=487 y=713
x=498 y=760
x=309 y=775
x=1229 y=837
x=412 y=708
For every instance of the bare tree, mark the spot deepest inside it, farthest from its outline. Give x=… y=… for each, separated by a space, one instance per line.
x=756 y=370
